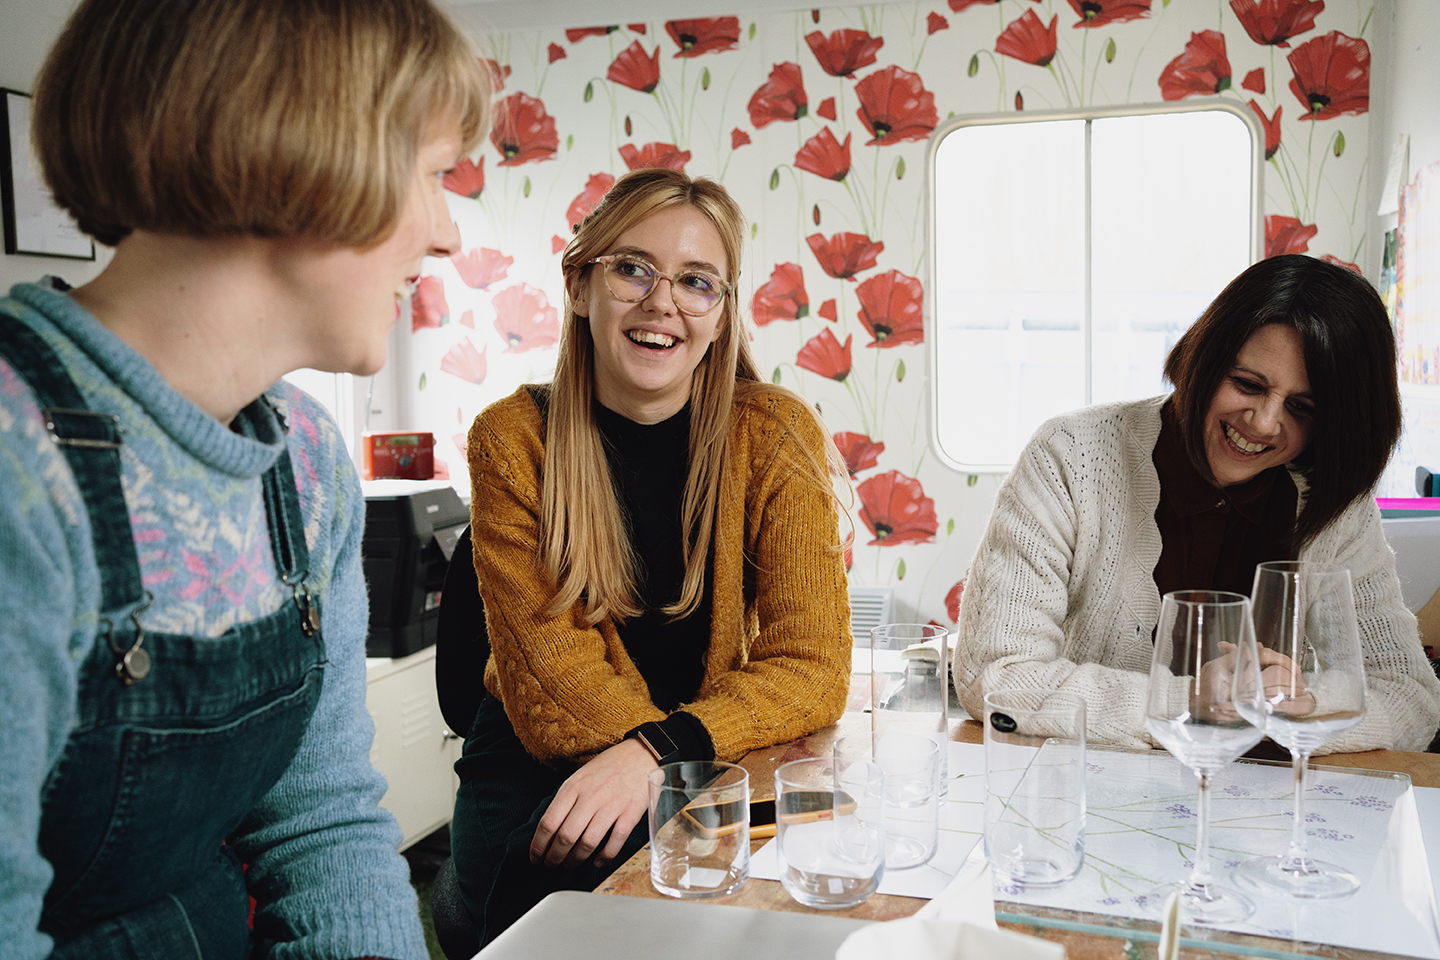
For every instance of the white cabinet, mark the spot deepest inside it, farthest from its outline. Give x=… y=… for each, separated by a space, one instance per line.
x=413 y=748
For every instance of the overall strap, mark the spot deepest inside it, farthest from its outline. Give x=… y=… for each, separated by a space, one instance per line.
x=91 y=444
x=287 y=528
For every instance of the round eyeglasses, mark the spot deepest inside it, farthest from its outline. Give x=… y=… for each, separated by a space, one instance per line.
x=631 y=279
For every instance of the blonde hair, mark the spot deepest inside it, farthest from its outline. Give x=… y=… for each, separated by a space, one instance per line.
x=249 y=117
x=584 y=544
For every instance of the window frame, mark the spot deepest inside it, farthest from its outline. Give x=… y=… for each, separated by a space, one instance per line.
x=1088 y=114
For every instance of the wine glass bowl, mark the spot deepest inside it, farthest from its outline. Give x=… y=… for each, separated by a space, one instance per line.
x=1304 y=686
x=1203 y=638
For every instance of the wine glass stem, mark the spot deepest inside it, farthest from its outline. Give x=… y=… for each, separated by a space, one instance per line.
x=1298 y=856
x=1200 y=875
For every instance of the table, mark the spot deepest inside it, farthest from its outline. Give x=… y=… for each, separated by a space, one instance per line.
x=1085 y=936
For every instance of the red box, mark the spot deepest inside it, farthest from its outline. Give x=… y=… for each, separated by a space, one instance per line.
x=403 y=456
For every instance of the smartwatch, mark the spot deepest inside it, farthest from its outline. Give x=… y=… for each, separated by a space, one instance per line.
x=653 y=737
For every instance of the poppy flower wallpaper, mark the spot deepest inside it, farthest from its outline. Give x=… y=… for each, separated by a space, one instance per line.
x=818 y=122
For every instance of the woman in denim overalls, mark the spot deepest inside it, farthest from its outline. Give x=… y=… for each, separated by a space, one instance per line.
x=182 y=609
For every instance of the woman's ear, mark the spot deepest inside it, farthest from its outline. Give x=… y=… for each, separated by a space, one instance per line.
x=579 y=293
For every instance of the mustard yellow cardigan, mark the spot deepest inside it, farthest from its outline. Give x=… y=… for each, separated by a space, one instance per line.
x=778 y=664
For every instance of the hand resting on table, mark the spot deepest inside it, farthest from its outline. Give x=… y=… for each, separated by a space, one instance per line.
x=607 y=795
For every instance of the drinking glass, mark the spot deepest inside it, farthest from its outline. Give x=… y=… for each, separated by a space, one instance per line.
x=911 y=762
x=830 y=830
x=1189 y=708
x=1305 y=686
x=699 y=828
x=916 y=699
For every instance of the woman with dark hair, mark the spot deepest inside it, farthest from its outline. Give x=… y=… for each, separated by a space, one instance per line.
x=657 y=548
x=185 y=764
x=1284 y=414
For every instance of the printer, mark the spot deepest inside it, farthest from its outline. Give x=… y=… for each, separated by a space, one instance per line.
x=410 y=533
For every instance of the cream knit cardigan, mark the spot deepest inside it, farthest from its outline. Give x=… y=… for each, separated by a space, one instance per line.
x=1062 y=594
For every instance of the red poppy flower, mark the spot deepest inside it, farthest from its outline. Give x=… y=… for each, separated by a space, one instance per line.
x=1028 y=39
x=1332 y=76
x=1202 y=69
x=845 y=254
x=1272 y=128
x=858 y=451
x=636 y=27
x=524 y=318
x=825 y=355
x=844 y=51
x=826 y=109
x=891 y=307
x=935 y=22
x=1331 y=258
x=665 y=155
x=580 y=33
x=636 y=70
x=522 y=131
x=557 y=243
x=467 y=319
x=596 y=187
x=895 y=510
x=1019 y=101
x=482 y=267
x=1255 y=80
x=557 y=52
x=465 y=362
x=738 y=138
x=496 y=73
x=827 y=311
x=1275 y=21
x=952 y=600
x=825 y=156
x=1097 y=13
x=707 y=35
x=782 y=297
x=465 y=178
x=428 y=307
x=959 y=5
x=1287 y=235
x=781 y=97
x=895 y=106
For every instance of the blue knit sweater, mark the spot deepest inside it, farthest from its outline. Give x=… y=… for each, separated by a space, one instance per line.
x=322 y=858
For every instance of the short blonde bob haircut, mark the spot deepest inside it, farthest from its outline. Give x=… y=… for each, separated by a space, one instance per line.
x=584 y=544
x=269 y=118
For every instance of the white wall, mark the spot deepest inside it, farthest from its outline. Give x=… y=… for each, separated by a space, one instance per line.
x=1403 y=87
x=27 y=29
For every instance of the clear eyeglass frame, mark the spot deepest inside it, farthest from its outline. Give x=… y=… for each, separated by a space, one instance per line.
x=687 y=300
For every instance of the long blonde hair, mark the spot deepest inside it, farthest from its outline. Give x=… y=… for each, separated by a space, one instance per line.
x=583 y=540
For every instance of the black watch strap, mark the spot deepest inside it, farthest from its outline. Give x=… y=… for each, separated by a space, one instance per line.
x=653 y=737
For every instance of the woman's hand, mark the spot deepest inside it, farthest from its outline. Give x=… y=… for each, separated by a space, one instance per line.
x=607 y=795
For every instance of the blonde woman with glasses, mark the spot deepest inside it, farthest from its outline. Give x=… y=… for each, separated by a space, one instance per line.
x=658 y=552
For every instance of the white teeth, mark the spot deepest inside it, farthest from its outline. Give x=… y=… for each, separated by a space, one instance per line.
x=645 y=336
x=1242 y=443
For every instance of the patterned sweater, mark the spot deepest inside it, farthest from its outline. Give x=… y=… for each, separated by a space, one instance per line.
x=1062 y=593
x=779 y=658
x=322 y=858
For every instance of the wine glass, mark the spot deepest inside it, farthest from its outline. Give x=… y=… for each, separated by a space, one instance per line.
x=1305 y=686
x=1189 y=709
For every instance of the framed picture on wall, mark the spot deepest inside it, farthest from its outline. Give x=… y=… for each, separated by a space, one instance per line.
x=33 y=224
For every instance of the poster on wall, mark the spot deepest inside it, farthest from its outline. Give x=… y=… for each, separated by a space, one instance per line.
x=33 y=224
x=1418 y=281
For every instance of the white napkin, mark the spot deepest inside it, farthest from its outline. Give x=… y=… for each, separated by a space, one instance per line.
x=959 y=924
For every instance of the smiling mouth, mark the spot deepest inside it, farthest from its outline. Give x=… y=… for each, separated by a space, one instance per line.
x=1241 y=444
x=652 y=341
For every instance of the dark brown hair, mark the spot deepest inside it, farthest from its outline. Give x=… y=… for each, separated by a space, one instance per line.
x=1349 y=359
x=249 y=117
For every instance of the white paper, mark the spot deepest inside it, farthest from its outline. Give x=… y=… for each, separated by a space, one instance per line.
x=1394 y=176
x=915 y=938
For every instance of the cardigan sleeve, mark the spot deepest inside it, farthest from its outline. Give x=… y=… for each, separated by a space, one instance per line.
x=568 y=687
x=1402 y=695
x=1026 y=586
x=791 y=676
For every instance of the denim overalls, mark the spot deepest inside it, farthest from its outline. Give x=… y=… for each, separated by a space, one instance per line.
x=176 y=738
